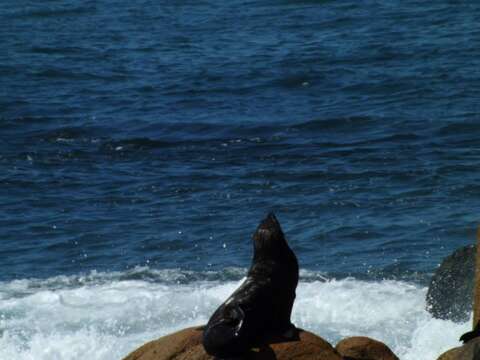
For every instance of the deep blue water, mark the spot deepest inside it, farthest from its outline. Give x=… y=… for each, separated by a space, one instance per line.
x=159 y=133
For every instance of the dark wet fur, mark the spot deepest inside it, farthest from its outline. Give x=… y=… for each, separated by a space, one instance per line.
x=260 y=308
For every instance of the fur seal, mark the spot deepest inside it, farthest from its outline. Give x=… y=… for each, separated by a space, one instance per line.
x=260 y=308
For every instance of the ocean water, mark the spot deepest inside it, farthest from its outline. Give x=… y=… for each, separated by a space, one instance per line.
x=142 y=142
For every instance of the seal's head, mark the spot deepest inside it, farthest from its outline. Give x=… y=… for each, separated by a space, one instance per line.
x=268 y=239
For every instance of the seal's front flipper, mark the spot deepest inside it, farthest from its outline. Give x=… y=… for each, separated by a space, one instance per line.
x=471 y=334
x=239 y=315
x=224 y=337
x=291 y=333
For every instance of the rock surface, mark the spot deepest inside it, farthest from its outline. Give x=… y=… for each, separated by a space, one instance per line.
x=450 y=292
x=187 y=345
x=364 y=348
x=469 y=351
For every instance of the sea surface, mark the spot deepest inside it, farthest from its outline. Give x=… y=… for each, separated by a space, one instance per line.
x=142 y=142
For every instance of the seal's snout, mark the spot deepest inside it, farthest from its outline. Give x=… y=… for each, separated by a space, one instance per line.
x=268 y=232
x=269 y=223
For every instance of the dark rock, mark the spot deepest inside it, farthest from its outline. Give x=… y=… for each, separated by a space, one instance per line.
x=364 y=348
x=187 y=345
x=450 y=292
x=469 y=351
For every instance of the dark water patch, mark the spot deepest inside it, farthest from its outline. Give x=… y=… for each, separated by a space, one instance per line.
x=350 y=124
x=26 y=122
x=68 y=50
x=139 y=144
x=64 y=135
x=58 y=247
x=184 y=130
x=76 y=75
x=295 y=81
x=395 y=139
x=45 y=11
x=461 y=134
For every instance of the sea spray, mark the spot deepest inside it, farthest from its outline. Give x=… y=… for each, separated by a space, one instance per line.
x=104 y=316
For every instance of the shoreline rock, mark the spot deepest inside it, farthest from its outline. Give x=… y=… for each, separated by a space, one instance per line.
x=450 y=291
x=186 y=344
x=364 y=348
x=469 y=351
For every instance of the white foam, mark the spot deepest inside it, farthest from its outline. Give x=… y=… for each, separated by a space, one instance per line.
x=390 y=311
x=103 y=320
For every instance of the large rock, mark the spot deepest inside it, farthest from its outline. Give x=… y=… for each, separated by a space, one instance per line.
x=450 y=292
x=469 y=351
x=182 y=345
x=364 y=348
x=187 y=345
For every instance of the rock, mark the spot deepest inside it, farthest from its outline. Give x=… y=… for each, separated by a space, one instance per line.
x=184 y=344
x=451 y=354
x=450 y=292
x=187 y=345
x=364 y=348
x=469 y=351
